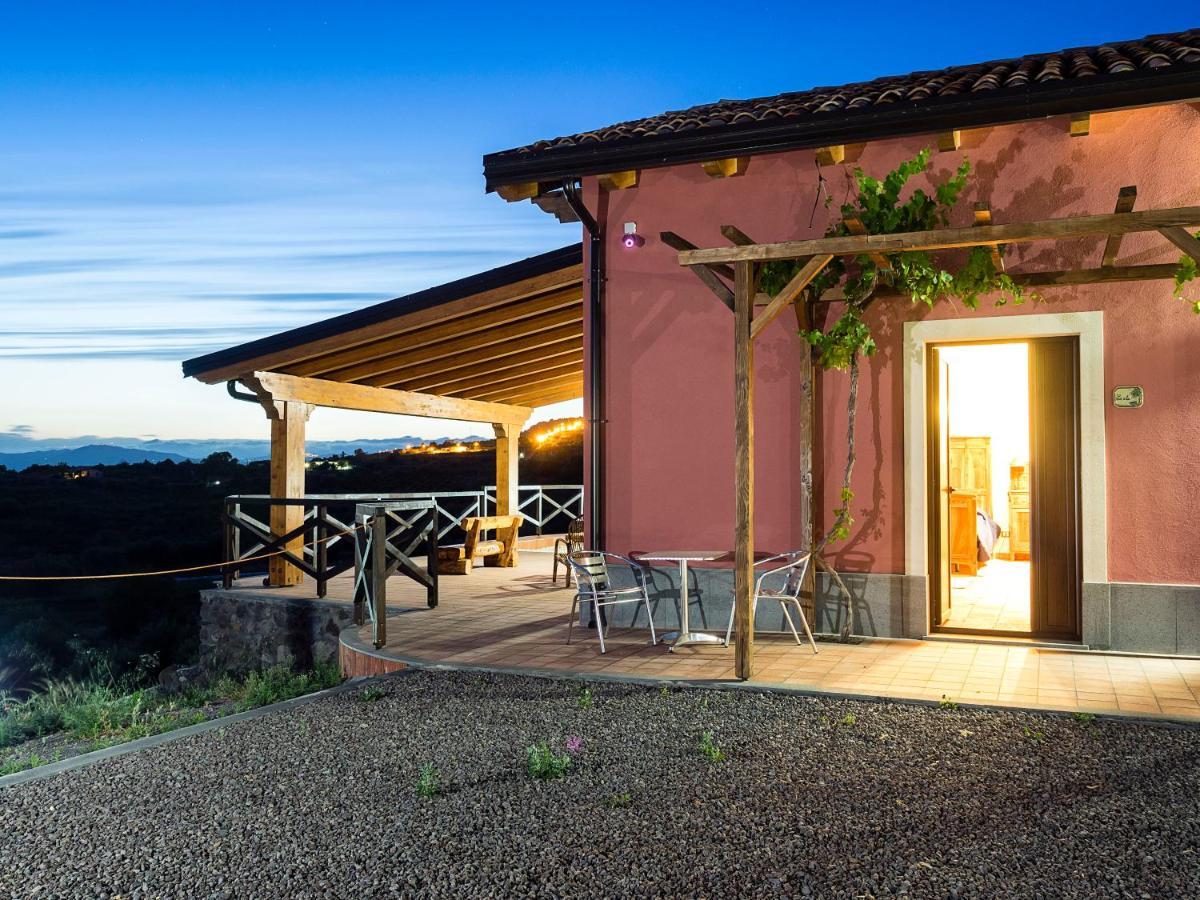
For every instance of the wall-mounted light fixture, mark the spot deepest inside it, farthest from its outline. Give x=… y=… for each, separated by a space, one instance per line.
x=631 y=238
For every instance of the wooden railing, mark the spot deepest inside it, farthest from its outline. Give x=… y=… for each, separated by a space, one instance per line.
x=328 y=523
x=388 y=538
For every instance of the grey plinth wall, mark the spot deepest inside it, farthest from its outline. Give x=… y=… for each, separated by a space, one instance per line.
x=1142 y=618
x=243 y=630
x=884 y=605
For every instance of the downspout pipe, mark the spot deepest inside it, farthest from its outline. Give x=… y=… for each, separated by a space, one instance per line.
x=572 y=190
x=231 y=387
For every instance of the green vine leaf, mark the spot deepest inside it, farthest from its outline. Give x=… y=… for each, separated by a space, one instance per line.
x=1186 y=272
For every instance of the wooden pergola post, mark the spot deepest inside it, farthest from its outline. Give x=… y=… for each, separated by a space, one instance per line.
x=743 y=413
x=507 y=457
x=808 y=431
x=288 y=419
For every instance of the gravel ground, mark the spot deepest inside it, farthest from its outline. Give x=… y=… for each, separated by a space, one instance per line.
x=815 y=796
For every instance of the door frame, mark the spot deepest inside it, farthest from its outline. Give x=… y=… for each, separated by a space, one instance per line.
x=1089 y=328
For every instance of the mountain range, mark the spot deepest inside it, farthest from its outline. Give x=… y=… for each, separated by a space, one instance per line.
x=20 y=452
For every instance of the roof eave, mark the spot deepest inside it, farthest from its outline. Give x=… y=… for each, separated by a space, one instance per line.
x=1001 y=107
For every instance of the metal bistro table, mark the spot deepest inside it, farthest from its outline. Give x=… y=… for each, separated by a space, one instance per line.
x=685 y=635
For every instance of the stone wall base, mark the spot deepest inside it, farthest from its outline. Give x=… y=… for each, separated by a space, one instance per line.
x=241 y=631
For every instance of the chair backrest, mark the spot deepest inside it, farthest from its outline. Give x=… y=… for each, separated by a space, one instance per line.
x=591 y=570
x=575 y=529
x=795 y=574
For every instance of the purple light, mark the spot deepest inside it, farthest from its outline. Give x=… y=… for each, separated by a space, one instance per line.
x=632 y=240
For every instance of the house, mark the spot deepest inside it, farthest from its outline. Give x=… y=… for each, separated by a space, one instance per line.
x=1023 y=471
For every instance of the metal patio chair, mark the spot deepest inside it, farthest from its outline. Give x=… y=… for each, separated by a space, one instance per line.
x=781 y=583
x=564 y=547
x=595 y=586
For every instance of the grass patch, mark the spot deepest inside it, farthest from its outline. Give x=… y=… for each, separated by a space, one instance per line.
x=545 y=764
x=709 y=749
x=618 y=801
x=428 y=783
x=104 y=713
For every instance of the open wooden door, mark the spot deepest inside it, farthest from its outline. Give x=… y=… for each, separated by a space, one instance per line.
x=1054 y=487
x=938 y=442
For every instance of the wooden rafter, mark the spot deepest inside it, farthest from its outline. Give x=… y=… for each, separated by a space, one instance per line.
x=379 y=356
x=855 y=226
x=1126 y=197
x=492 y=351
x=790 y=294
x=983 y=216
x=572 y=390
x=1183 y=240
x=543 y=370
x=567 y=279
x=949 y=238
x=551 y=385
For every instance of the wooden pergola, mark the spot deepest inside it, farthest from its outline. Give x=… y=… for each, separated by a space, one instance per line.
x=488 y=348
x=731 y=273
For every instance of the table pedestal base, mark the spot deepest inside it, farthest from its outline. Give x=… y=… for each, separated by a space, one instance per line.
x=680 y=639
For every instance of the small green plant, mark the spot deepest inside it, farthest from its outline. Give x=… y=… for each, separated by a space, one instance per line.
x=664 y=691
x=545 y=764
x=428 y=783
x=709 y=748
x=1036 y=736
x=585 y=700
x=1084 y=718
x=947 y=703
x=848 y=719
x=618 y=801
x=12 y=766
x=370 y=695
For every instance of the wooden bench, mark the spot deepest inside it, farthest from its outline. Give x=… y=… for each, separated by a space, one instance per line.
x=499 y=551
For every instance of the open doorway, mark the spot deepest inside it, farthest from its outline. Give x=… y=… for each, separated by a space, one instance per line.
x=1003 y=436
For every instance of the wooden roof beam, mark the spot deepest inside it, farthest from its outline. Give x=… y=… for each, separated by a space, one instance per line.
x=525 y=190
x=572 y=391
x=1126 y=197
x=948 y=141
x=707 y=274
x=1063 y=278
x=949 y=238
x=726 y=168
x=832 y=155
x=619 y=181
x=276 y=386
x=983 y=216
x=1080 y=124
x=855 y=226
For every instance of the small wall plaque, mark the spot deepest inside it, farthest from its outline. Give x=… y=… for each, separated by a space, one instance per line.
x=1129 y=397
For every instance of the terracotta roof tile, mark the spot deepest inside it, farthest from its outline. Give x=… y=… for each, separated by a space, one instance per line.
x=1118 y=58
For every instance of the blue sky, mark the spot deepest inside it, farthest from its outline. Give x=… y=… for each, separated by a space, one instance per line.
x=179 y=177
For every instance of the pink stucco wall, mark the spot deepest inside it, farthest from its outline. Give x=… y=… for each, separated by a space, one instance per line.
x=669 y=454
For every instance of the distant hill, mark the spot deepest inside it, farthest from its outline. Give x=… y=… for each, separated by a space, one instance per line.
x=20 y=452
x=90 y=455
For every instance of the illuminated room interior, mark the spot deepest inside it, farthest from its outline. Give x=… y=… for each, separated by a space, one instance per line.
x=989 y=472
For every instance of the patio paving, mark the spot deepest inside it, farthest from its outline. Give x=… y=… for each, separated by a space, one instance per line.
x=517 y=619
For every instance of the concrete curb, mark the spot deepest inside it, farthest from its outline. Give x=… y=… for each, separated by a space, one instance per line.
x=155 y=740
x=349 y=638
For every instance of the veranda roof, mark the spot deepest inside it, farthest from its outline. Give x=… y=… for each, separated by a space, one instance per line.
x=512 y=335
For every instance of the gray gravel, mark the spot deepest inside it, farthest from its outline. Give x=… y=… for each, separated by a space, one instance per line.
x=816 y=796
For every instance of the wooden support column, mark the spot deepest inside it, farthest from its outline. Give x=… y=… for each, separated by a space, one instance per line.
x=507 y=456
x=743 y=405
x=288 y=418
